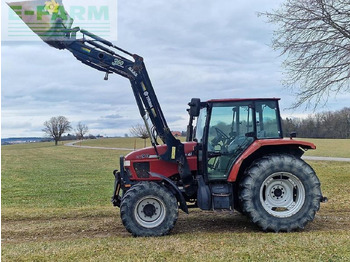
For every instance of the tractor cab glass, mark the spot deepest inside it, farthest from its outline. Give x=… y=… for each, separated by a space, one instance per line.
x=231 y=130
x=201 y=121
x=226 y=129
x=267 y=119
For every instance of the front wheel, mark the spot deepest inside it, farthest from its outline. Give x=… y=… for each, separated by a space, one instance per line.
x=280 y=193
x=149 y=209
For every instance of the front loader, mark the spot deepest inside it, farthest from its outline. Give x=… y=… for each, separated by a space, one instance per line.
x=235 y=156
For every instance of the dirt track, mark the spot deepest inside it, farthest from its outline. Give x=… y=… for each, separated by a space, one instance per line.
x=109 y=225
x=73 y=144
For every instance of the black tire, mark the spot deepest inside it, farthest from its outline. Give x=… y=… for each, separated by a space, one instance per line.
x=148 y=209
x=280 y=192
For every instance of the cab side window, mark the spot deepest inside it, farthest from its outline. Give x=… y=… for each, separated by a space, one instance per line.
x=267 y=122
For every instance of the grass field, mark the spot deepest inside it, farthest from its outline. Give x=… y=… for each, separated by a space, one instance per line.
x=55 y=207
x=329 y=147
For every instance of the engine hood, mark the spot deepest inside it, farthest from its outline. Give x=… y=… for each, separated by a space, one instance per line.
x=149 y=152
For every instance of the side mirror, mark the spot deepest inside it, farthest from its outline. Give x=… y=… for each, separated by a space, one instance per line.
x=195 y=106
x=292 y=134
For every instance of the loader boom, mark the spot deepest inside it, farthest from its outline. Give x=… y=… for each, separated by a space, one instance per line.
x=102 y=55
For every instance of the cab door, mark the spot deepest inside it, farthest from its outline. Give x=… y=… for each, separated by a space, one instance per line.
x=230 y=131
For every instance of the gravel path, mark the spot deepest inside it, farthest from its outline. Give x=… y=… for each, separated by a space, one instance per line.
x=326 y=158
x=73 y=144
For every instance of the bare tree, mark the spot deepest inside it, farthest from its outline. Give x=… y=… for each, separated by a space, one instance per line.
x=81 y=130
x=56 y=126
x=140 y=131
x=314 y=36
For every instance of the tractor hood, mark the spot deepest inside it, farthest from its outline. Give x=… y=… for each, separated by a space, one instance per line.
x=149 y=152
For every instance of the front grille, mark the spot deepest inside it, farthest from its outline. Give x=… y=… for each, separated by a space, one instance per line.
x=142 y=169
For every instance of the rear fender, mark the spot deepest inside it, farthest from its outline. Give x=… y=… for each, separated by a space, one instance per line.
x=262 y=147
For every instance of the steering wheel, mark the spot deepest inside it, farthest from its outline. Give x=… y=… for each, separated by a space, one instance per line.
x=221 y=133
x=220 y=136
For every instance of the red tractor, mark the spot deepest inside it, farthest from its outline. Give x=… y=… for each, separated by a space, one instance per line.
x=234 y=158
x=237 y=159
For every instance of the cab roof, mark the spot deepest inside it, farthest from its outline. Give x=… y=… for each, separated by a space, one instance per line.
x=241 y=99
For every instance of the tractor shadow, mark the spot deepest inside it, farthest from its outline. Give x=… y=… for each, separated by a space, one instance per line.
x=213 y=222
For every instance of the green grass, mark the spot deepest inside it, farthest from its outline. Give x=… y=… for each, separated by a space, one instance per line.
x=47 y=176
x=329 y=147
x=56 y=207
x=223 y=246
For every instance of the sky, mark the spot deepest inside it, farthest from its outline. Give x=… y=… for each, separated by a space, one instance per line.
x=205 y=49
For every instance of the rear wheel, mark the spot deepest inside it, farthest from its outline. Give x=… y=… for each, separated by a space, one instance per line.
x=149 y=209
x=280 y=193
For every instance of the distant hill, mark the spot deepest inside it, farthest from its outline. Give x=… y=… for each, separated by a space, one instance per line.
x=21 y=140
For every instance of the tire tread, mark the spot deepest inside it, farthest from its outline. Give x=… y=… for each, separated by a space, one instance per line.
x=250 y=199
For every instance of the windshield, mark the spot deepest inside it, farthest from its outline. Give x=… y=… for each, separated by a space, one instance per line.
x=198 y=136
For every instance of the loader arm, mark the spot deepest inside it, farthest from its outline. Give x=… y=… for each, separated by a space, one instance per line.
x=102 y=55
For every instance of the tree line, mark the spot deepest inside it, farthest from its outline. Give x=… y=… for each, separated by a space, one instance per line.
x=330 y=124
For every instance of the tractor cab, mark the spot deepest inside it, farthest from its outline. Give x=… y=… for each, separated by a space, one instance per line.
x=226 y=128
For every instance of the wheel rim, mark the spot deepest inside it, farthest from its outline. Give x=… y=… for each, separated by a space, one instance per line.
x=150 y=211
x=282 y=194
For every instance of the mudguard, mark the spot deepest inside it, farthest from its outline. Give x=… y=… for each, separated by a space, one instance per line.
x=180 y=198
